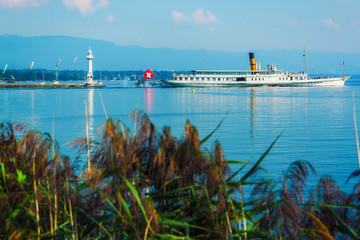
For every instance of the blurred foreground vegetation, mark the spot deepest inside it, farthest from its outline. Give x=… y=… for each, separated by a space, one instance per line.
x=145 y=184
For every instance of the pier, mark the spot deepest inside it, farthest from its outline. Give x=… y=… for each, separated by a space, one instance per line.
x=50 y=85
x=89 y=82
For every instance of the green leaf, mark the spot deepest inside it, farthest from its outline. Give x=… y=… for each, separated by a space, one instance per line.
x=137 y=197
x=126 y=207
x=179 y=224
x=94 y=220
x=236 y=162
x=208 y=136
x=127 y=210
x=253 y=169
x=3 y=172
x=15 y=212
x=21 y=176
x=235 y=173
x=170 y=236
x=347 y=228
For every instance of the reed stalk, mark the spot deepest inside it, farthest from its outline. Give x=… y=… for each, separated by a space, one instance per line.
x=50 y=205
x=36 y=199
x=239 y=226
x=70 y=209
x=102 y=103
x=241 y=190
x=241 y=200
x=243 y=213
x=356 y=132
x=54 y=176
x=229 y=224
x=87 y=138
x=76 y=230
x=65 y=211
x=148 y=226
x=135 y=122
x=168 y=175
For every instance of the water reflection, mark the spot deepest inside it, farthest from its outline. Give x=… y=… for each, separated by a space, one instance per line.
x=91 y=115
x=5 y=105
x=149 y=99
x=252 y=113
x=32 y=117
x=317 y=123
x=32 y=96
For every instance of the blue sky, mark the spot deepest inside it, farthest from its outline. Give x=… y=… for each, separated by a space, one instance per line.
x=230 y=25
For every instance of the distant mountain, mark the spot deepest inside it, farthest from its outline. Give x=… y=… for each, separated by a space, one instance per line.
x=18 y=52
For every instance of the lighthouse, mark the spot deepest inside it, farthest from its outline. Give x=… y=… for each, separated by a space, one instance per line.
x=90 y=76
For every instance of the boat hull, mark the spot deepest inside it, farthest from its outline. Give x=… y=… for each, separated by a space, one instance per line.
x=308 y=82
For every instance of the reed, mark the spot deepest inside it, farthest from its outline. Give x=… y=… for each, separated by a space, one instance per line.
x=36 y=201
x=87 y=138
x=150 y=185
x=356 y=132
x=70 y=207
x=54 y=181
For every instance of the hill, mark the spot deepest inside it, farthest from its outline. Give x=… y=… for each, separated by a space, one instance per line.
x=18 y=52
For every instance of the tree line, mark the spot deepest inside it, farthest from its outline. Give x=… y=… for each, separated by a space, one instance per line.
x=77 y=75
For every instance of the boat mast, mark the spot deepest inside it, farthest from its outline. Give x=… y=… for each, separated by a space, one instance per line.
x=305 y=57
x=57 y=65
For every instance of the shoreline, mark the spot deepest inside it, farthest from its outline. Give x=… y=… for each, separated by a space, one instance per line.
x=36 y=85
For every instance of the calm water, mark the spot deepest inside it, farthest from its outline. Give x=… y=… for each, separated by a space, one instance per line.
x=317 y=122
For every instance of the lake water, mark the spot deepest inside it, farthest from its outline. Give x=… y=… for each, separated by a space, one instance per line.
x=316 y=122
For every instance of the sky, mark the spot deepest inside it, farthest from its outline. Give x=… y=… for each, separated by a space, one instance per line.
x=226 y=25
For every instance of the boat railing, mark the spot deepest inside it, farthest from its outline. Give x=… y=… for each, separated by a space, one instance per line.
x=183 y=74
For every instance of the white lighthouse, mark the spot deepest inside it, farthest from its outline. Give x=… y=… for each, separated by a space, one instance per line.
x=90 y=76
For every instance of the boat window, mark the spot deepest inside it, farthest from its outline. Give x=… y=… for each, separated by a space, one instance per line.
x=240 y=79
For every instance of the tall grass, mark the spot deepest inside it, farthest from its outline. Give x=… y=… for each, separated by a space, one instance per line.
x=150 y=185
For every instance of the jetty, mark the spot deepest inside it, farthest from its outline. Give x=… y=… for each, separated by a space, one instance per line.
x=88 y=83
x=50 y=85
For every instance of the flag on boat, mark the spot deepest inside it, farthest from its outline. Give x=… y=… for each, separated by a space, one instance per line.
x=342 y=64
x=148 y=74
x=74 y=61
x=32 y=64
x=58 y=63
x=5 y=68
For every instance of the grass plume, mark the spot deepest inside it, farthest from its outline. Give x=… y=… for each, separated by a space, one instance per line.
x=145 y=184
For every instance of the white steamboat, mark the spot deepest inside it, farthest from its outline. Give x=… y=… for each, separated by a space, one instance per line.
x=250 y=78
